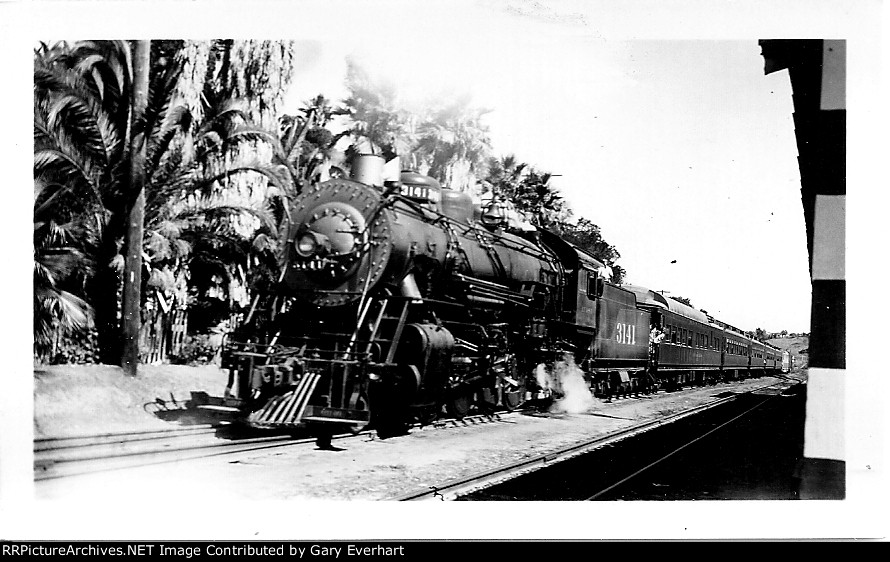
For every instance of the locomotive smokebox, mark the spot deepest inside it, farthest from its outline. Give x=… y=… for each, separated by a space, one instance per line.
x=368 y=169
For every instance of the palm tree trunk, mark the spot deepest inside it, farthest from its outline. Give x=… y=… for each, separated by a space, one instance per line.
x=133 y=263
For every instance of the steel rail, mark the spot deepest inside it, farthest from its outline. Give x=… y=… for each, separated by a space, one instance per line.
x=44 y=444
x=677 y=450
x=463 y=485
x=61 y=467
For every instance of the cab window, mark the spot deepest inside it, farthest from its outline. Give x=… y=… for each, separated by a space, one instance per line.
x=592 y=285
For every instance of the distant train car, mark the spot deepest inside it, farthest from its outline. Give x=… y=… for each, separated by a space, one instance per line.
x=758 y=358
x=787 y=361
x=773 y=359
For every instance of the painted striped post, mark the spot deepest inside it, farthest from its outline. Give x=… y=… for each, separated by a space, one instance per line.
x=817 y=69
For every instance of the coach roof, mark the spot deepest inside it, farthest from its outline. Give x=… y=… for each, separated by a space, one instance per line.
x=649 y=298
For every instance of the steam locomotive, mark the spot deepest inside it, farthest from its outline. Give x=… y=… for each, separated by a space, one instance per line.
x=403 y=301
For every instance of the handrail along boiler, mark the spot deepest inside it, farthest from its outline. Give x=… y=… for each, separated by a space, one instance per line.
x=403 y=300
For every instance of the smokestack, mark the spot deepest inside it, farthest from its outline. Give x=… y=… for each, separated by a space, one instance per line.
x=368 y=169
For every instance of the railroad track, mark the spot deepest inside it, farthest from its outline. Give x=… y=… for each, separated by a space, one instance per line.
x=65 y=457
x=48 y=444
x=464 y=485
x=61 y=457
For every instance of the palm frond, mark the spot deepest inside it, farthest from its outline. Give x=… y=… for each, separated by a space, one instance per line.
x=112 y=62
x=161 y=92
x=223 y=117
x=272 y=172
x=80 y=172
x=69 y=110
x=243 y=133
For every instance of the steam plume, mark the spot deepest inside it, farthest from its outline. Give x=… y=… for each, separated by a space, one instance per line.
x=567 y=379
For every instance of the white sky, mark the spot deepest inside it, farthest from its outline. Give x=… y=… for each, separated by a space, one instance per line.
x=654 y=140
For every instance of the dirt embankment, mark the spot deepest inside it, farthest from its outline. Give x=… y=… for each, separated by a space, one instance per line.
x=795 y=345
x=92 y=399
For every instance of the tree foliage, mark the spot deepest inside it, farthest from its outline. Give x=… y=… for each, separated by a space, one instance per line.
x=453 y=143
x=377 y=124
x=82 y=123
x=683 y=300
x=305 y=144
x=528 y=190
x=586 y=235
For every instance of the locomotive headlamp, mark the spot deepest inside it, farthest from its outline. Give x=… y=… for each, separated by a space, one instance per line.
x=312 y=244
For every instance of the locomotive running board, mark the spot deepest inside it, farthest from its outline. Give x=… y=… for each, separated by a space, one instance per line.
x=287 y=409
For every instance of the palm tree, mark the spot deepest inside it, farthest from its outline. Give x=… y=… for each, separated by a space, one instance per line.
x=83 y=122
x=528 y=189
x=378 y=126
x=305 y=144
x=197 y=228
x=61 y=266
x=455 y=144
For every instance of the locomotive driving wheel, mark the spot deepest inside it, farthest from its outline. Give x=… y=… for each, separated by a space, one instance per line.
x=512 y=392
x=425 y=414
x=512 y=396
x=459 y=405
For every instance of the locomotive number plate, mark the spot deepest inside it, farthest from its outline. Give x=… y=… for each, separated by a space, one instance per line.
x=415 y=191
x=626 y=334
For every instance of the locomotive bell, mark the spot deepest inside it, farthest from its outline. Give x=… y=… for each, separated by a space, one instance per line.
x=495 y=215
